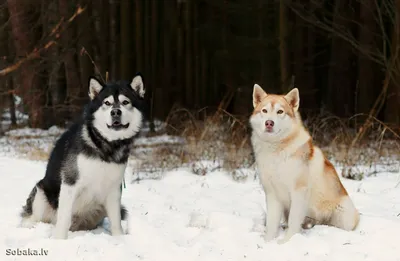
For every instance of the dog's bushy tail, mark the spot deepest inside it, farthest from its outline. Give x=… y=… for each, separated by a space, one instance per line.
x=27 y=208
x=124 y=213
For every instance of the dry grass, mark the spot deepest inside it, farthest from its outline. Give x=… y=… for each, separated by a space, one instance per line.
x=218 y=141
x=36 y=154
x=221 y=141
x=27 y=144
x=377 y=151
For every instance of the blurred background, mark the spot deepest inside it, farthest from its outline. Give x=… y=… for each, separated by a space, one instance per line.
x=201 y=55
x=199 y=61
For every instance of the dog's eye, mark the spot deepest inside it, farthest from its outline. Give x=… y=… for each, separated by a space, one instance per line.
x=107 y=103
x=280 y=112
x=264 y=111
x=125 y=102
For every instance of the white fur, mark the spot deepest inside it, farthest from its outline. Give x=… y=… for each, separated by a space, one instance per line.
x=278 y=171
x=258 y=94
x=94 y=88
x=282 y=123
x=345 y=213
x=137 y=85
x=281 y=166
x=278 y=174
x=99 y=182
x=64 y=211
x=42 y=211
x=130 y=115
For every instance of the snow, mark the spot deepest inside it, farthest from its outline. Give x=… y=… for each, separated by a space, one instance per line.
x=157 y=140
x=188 y=217
x=5 y=115
x=30 y=132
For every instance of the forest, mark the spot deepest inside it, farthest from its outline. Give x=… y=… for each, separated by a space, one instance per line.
x=202 y=55
x=198 y=179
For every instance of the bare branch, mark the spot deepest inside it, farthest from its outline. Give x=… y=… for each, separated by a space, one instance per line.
x=55 y=33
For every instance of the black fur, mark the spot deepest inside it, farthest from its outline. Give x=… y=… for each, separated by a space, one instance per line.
x=71 y=142
x=27 y=209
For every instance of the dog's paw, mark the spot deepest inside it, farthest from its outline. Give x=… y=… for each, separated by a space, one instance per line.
x=27 y=223
x=269 y=237
x=60 y=234
x=282 y=241
x=117 y=231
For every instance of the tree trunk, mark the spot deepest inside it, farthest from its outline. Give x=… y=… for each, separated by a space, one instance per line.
x=197 y=60
x=31 y=91
x=139 y=35
x=86 y=50
x=70 y=60
x=57 y=108
x=3 y=56
x=159 y=101
x=367 y=88
x=283 y=46
x=6 y=83
x=188 y=53
x=147 y=45
x=103 y=8
x=340 y=93
x=126 y=36
x=311 y=98
x=180 y=69
x=392 y=111
x=114 y=41
x=13 y=115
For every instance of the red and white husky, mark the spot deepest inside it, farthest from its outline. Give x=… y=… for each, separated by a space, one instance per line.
x=300 y=184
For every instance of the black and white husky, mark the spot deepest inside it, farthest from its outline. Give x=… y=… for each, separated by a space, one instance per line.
x=86 y=167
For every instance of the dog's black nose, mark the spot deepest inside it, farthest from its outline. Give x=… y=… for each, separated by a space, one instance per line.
x=116 y=112
x=269 y=123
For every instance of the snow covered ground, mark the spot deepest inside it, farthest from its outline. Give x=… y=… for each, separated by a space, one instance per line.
x=189 y=217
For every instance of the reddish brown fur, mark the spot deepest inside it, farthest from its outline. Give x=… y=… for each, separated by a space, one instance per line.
x=306 y=151
x=330 y=170
x=311 y=149
x=273 y=99
x=287 y=141
x=328 y=198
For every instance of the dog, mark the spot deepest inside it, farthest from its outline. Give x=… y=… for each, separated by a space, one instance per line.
x=83 y=180
x=300 y=184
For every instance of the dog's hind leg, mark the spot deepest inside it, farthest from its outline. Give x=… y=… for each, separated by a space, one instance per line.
x=28 y=220
x=285 y=219
x=345 y=216
x=36 y=209
x=89 y=219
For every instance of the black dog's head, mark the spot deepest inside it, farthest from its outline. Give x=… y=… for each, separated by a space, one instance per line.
x=116 y=109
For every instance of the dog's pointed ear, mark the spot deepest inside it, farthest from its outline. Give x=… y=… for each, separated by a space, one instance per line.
x=293 y=98
x=94 y=87
x=137 y=85
x=258 y=95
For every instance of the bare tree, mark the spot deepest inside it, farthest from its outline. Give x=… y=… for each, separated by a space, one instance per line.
x=373 y=37
x=22 y=16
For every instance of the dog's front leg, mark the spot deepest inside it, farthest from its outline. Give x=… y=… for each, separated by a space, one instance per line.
x=113 y=208
x=297 y=214
x=64 y=211
x=274 y=215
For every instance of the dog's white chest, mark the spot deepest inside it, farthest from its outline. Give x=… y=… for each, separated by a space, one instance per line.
x=279 y=170
x=97 y=178
x=278 y=174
